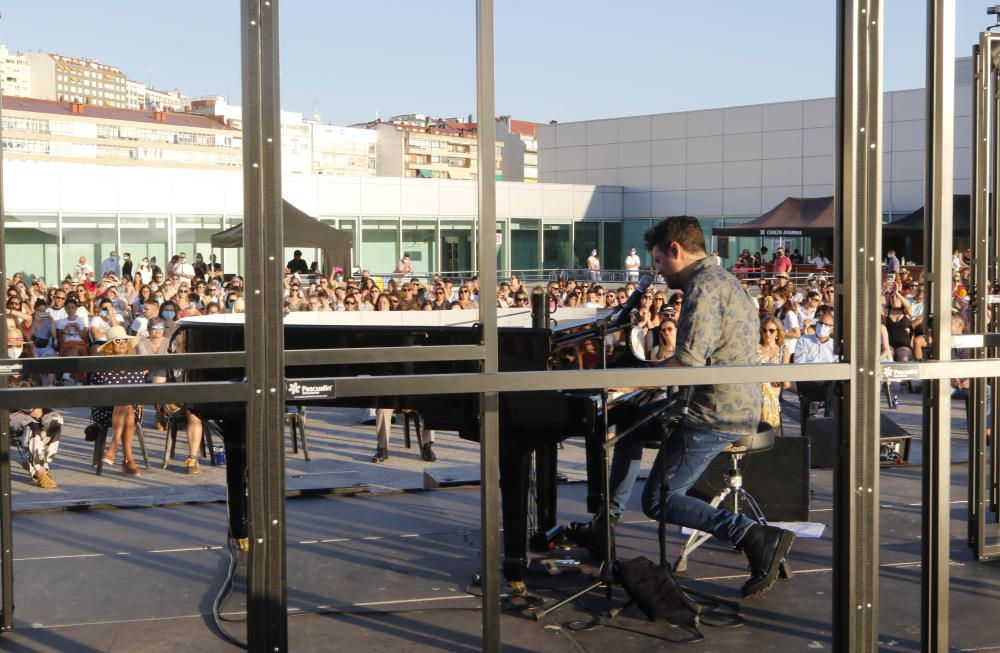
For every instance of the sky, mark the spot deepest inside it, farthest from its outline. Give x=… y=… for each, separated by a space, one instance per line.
x=559 y=60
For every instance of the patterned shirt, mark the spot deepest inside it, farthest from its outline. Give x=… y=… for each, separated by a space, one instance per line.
x=719 y=326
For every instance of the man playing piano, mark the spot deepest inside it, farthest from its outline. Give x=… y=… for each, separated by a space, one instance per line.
x=718 y=326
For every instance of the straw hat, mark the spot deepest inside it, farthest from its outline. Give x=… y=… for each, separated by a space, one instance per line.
x=117 y=333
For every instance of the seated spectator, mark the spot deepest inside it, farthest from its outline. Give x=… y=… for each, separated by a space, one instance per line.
x=771 y=350
x=667 y=340
x=104 y=319
x=122 y=418
x=43 y=330
x=38 y=431
x=150 y=309
x=72 y=335
x=817 y=348
x=439 y=301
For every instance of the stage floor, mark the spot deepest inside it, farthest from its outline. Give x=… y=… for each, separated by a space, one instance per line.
x=143 y=579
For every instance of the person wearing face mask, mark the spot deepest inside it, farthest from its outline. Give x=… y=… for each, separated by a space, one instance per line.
x=145 y=272
x=632 y=264
x=169 y=311
x=816 y=348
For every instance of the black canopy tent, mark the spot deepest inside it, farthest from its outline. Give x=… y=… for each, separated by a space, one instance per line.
x=794 y=216
x=302 y=230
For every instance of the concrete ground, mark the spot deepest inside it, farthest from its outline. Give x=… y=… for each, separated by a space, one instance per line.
x=391 y=570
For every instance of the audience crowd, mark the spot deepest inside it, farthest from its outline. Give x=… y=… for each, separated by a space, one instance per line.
x=134 y=306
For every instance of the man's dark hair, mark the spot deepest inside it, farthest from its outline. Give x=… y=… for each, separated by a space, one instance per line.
x=681 y=229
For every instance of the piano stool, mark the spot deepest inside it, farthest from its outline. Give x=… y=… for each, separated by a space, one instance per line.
x=297 y=422
x=174 y=424
x=762 y=441
x=102 y=440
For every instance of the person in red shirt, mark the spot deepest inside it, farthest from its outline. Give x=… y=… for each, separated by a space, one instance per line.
x=782 y=263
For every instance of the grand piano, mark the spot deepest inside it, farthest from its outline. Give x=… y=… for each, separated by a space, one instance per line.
x=530 y=422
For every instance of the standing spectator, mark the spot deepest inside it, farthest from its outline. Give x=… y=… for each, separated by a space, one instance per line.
x=200 y=269
x=819 y=260
x=786 y=311
x=781 y=262
x=127 y=265
x=891 y=262
x=593 y=266
x=718 y=259
x=956 y=260
x=214 y=268
x=111 y=265
x=297 y=264
x=796 y=257
x=632 y=264
x=145 y=272
x=183 y=269
x=403 y=268
x=81 y=269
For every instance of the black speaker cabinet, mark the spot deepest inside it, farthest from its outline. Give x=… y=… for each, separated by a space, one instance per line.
x=822 y=433
x=778 y=479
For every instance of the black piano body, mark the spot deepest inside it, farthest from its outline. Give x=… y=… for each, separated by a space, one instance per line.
x=530 y=422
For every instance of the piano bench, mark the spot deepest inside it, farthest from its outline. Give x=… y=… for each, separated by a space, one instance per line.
x=297 y=423
x=174 y=424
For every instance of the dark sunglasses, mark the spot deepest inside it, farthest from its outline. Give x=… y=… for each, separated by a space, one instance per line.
x=771 y=330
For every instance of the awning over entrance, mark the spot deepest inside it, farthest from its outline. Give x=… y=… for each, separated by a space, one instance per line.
x=795 y=216
x=913 y=224
x=302 y=230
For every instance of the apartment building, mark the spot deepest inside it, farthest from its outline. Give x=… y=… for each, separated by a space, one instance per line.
x=520 y=149
x=49 y=130
x=15 y=73
x=441 y=149
x=68 y=79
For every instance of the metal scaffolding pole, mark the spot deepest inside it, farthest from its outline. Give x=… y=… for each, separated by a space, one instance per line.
x=489 y=447
x=859 y=274
x=937 y=273
x=6 y=518
x=267 y=619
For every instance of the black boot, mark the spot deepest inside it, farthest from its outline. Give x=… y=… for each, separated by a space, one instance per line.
x=590 y=535
x=765 y=548
x=427 y=452
x=381 y=455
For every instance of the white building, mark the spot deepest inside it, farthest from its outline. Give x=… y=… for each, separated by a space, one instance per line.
x=731 y=164
x=15 y=73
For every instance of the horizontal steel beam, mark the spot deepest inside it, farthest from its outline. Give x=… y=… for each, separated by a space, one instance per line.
x=949 y=369
x=414 y=354
x=108 y=395
x=572 y=379
x=130 y=363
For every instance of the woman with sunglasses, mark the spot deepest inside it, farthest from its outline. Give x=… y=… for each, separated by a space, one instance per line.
x=22 y=318
x=122 y=419
x=771 y=350
x=464 y=299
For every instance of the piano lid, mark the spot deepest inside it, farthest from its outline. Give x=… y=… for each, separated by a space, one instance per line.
x=506 y=317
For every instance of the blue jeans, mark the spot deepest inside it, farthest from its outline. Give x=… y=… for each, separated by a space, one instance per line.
x=688 y=452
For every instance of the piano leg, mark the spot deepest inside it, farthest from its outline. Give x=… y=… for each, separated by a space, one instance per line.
x=545 y=495
x=514 y=467
x=234 y=437
x=596 y=455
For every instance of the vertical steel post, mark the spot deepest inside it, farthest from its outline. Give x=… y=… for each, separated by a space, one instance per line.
x=267 y=620
x=980 y=241
x=858 y=277
x=489 y=447
x=6 y=518
x=938 y=204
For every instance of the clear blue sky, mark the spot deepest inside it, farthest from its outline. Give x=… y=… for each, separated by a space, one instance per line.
x=555 y=59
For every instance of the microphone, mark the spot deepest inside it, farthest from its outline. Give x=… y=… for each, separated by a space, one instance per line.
x=621 y=315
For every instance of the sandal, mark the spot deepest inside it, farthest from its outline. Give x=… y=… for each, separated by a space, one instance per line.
x=129 y=468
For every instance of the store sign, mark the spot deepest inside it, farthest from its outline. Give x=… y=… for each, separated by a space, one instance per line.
x=300 y=390
x=7 y=369
x=780 y=232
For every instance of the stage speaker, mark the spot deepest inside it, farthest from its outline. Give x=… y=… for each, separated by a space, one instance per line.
x=822 y=434
x=777 y=478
